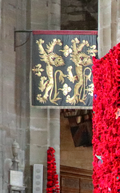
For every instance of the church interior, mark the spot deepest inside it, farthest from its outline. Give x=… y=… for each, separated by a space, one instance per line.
x=27 y=131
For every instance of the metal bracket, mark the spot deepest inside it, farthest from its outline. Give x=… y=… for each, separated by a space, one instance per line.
x=21 y=31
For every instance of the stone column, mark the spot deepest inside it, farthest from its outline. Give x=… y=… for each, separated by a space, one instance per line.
x=44 y=123
x=14 y=105
x=55 y=135
x=54 y=14
x=118 y=21
x=107 y=25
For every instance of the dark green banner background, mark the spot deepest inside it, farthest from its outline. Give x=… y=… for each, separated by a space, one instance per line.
x=62 y=68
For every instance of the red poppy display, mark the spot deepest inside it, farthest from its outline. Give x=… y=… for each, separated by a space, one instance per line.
x=52 y=177
x=106 y=122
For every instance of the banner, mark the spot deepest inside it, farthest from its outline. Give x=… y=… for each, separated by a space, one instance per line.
x=62 y=68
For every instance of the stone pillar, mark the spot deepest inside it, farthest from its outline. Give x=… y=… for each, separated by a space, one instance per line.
x=55 y=135
x=107 y=25
x=54 y=14
x=114 y=19
x=14 y=99
x=118 y=21
x=44 y=123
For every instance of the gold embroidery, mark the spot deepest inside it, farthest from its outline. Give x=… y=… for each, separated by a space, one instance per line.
x=38 y=69
x=90 y=89
x=80 y=60
x=51 y=59
x=66 y=89
x=92 y=51
x=70 y=74
x=83 y=74
x=66 y=50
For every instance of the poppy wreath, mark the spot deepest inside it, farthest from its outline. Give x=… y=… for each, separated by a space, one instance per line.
x=106 y=122
x=52 y=177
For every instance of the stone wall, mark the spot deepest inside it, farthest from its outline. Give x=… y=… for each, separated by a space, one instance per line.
x=108 y=25
x=14 y=101
x=45 y=14
x=118 y=22
x=79 y=15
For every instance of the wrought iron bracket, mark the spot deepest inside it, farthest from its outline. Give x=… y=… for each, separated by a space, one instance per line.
x=15 y=36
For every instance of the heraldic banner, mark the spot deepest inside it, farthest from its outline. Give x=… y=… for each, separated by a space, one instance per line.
x=62 y=68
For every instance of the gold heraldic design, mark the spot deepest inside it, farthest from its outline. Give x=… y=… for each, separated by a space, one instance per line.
x=48 y=84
